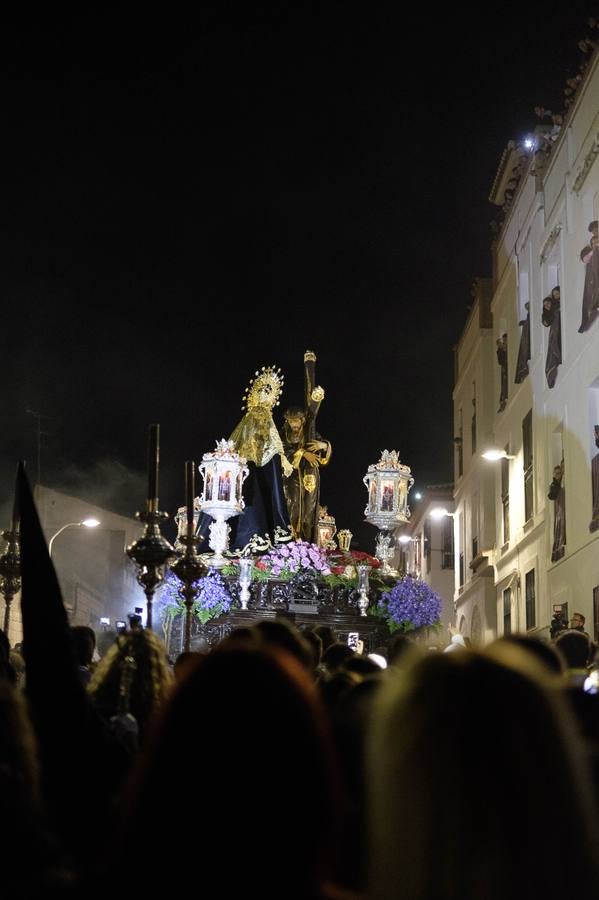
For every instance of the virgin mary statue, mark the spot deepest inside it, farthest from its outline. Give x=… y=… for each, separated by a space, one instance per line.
x=265 y=519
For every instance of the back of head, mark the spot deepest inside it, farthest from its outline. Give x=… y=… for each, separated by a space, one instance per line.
x=544 y=652
x=184 y=663
x=140 y=658
x=315 y=646
x=7 y=670
x=249 y=723
x=284 y=636
x=4 y=647
x=399 y=646
x=326 y=635
x=362 y=666
x=336 y=655
x=463 y=759
x=575 y=648
x=83 y=642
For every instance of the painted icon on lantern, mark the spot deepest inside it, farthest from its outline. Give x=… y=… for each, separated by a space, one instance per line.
x=224 y=486
x=208 y=486
x=387 y=497
x=372 y=496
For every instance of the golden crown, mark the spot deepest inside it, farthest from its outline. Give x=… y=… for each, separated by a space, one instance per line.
x=268 y=380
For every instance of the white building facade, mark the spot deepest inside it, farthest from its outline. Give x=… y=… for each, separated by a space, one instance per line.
x=543 y=412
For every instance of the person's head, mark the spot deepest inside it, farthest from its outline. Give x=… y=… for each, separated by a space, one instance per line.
x=255 y=712
x=184 y=663
x=362 y=666
x=555 y=293
x=577 y=621
x=315 y=645
x=284 y=636
x=399 y=648
x=586 y=254
x=140 y=658
x=575 y=648
x=7 y=670
x=83 y=643
x=544 y=652
x=439 y=729
x=295 y=418
x=326 y=635
x=336 y=655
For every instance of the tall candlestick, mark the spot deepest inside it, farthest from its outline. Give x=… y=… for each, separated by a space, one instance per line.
x=189 y=492
x=15 y=511
x=153 y=457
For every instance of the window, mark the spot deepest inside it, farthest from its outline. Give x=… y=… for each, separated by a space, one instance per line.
x=426 y=530
x=461 y=536
x=507 y=611
x=474 y=526
x=473 y=420
x=447 y=556
x=418 y=555
x=459 y=443
x=531 y=612
x=527 y=463
x=505 y=496
x=594 y=452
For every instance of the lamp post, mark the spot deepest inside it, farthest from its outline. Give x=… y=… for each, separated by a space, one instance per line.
x=86 y=523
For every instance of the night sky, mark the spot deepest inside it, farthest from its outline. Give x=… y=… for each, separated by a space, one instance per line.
x=326 y=170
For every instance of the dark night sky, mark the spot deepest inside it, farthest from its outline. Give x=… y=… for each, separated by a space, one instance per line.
x=326 y=170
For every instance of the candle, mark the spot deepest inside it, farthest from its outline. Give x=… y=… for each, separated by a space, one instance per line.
x=153 y=456
x=189 y=491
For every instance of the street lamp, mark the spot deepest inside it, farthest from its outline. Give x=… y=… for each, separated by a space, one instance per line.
x=87 y=523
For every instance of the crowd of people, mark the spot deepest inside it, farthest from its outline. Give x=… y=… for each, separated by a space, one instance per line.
x=281 y=763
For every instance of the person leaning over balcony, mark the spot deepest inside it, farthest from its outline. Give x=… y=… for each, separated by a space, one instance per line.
x=551 y=318
x=558 y=495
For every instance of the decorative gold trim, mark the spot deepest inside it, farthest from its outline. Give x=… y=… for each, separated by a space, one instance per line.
x=268 y=380
x=549 y=243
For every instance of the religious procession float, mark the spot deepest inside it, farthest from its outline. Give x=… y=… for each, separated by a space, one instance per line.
x=256 y=542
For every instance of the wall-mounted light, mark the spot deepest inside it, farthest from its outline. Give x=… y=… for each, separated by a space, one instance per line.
x=439 y=512
x=493 y=454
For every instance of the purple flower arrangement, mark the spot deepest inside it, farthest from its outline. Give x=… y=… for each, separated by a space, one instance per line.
x=287 y=560
x=213 y=597
x=411 y=604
